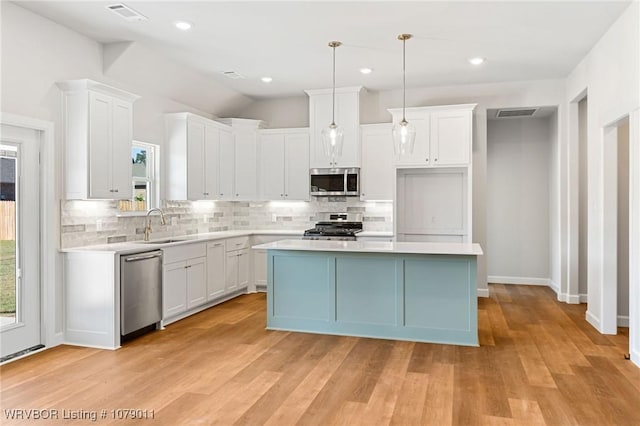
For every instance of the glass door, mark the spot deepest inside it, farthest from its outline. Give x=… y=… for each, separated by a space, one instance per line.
x=19 y=240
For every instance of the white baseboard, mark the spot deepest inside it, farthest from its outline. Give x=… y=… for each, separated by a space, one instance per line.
x=635 y=357
x=593 y=320
x=498 y=279
x=583 y=298
x=483 y=292
x=623 y=321
x=555 y=287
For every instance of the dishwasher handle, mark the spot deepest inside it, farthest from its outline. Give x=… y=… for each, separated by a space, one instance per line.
x=148 y=256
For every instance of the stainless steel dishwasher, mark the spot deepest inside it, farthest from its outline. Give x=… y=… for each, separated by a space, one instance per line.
x=140 y=290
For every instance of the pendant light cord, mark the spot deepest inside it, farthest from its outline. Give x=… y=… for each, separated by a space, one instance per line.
x=333 y=98
x=404 y=80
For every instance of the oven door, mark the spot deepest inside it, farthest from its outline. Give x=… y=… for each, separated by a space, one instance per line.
x=328 y=182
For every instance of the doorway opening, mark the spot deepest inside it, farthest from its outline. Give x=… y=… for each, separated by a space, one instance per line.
x=523 y=221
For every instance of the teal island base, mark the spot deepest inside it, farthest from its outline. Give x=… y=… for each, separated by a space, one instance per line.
x=417 y=297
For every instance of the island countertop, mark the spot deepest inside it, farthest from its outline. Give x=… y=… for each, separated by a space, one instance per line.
x=462 y=249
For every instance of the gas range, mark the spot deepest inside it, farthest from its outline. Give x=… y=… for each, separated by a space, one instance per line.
x=339 y=227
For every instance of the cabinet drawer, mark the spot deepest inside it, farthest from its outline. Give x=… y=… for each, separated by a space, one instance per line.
x=184 y=252
x=237 y=243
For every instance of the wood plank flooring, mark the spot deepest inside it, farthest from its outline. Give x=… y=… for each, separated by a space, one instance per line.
x=539 y=363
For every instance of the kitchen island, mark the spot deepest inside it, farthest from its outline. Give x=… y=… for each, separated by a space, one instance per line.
x=423 y=292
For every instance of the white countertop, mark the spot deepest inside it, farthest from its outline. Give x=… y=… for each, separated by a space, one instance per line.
x=138 y=246
x=465 y=249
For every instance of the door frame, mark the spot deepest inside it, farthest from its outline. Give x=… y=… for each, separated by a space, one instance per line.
x=50 y=313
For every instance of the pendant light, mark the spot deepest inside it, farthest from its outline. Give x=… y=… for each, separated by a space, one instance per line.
x=404 y=134
x=333 y=135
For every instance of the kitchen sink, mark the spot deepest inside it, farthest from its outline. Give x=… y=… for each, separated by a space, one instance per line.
x=167 y=241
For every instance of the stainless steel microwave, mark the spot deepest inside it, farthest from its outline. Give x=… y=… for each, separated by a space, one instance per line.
x=335 y=182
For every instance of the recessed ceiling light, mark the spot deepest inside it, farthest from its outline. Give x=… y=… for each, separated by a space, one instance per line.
x=266 y=79
x=366 y=70
x=476 y=61
x=183 y=25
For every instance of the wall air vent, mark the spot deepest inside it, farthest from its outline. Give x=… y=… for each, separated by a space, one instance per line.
x=232 y=75
x=126 y=12
x=516 y=112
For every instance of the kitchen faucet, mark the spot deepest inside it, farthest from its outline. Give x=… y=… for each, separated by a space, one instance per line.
x=147 y=228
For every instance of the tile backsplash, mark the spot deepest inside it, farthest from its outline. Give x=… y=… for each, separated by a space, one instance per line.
x=86 y=223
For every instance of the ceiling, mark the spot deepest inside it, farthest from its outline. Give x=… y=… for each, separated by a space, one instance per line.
x=522 y=40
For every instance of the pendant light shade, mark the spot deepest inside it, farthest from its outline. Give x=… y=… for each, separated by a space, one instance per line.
x=332 y=135
x=404 y=134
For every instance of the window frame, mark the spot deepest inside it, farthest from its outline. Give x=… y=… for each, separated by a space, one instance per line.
x=153 y=175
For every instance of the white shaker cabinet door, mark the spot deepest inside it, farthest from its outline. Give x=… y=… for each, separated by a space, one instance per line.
x=243 y=268
x=451 y=137
x=174 y=297
x=320 y=110
x=377 y=172
x=246 y=162
x=272 y=166
x=195 y=160
x=348 y=117
x=216 y=277
x=421 y=155
x=100 y=130
x=226 y=166
x=231 y=272
x=211 y=154
x=196 y=282
x=297 y=167
x=121 y=179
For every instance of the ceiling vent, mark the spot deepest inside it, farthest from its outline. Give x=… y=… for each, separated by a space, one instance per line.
x=126 y=12
x=516 y=112
x=232 y=75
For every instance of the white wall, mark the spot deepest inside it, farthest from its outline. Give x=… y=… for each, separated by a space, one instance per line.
x=36 y=53
x=279 y=113
x=518 y=176
x=610 y=72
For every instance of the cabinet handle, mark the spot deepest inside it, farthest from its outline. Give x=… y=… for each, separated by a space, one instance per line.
x=435 y=159
x=221 y=193
x=237 y=195
x=281 y=195
x=426 y=159
x=205 y=193
x=286 y=195
x=363 y=194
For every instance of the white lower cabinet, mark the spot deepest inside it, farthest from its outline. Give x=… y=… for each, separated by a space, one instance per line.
x=174 y=291
x=216 y=277
x=237 y=270
x=184 y=283
x=185 y=286
x=196 y=282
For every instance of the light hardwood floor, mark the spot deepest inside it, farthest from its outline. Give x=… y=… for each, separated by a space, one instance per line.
x=539 y=363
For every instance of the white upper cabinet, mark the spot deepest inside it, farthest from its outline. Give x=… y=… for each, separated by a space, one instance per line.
x=284 y=164
x=98 y=123
x=194 y=160
x=377 y=172
x=347 y=116
x=443 y=135
x=226 y=165
x=245 y=140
